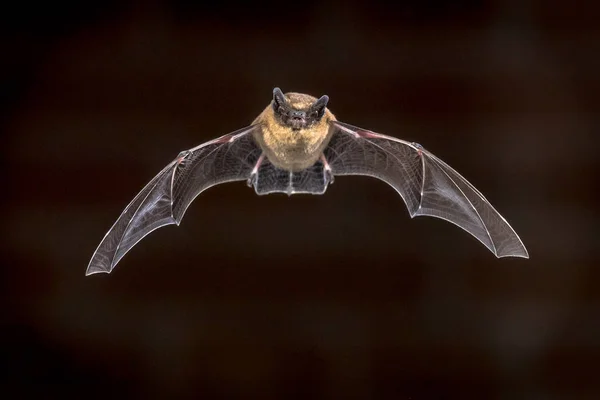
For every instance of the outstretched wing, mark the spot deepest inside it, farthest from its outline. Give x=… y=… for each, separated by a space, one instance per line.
x=166 y=198
x=427 y=185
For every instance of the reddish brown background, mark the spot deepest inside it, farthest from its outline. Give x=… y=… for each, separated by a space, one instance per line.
x=332 y=296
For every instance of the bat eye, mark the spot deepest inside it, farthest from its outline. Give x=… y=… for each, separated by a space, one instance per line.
x=317 y=114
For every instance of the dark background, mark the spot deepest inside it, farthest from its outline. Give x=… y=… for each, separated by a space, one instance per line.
x=341 y=295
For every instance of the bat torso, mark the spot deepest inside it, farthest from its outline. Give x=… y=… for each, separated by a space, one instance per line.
x=290 y=149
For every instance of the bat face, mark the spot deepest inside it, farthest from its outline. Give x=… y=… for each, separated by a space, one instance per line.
x=296 y=145
x=296 y=110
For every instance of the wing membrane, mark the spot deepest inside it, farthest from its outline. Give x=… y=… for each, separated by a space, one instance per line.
x=428 y=186
x=164 y=200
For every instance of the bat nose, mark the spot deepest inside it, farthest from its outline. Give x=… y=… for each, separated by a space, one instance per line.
x=298 y=115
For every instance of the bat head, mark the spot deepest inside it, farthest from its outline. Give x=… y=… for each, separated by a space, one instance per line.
x=297 y=110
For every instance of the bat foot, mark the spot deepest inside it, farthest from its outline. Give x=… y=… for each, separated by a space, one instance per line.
x=329 y=178
x=328 y=174
x=254 y=174
x=251 y=181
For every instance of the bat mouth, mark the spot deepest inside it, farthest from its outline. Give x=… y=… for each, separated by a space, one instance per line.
x=297 y=122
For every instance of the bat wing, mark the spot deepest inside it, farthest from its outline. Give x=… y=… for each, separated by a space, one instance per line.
x=167 y=196
x=427 y=185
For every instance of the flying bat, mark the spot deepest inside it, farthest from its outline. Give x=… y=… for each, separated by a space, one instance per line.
x=296 y=145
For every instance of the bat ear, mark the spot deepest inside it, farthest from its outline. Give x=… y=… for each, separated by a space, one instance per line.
x=319 y=105
x=278 y=97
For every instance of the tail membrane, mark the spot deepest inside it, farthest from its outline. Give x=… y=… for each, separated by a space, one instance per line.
x=271 y=179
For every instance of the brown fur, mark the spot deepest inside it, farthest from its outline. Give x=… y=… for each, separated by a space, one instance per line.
x=288 y=149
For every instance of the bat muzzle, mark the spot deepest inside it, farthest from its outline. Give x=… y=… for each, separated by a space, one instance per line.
x=297 y=119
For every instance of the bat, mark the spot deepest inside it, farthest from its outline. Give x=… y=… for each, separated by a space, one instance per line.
x=296 y=145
